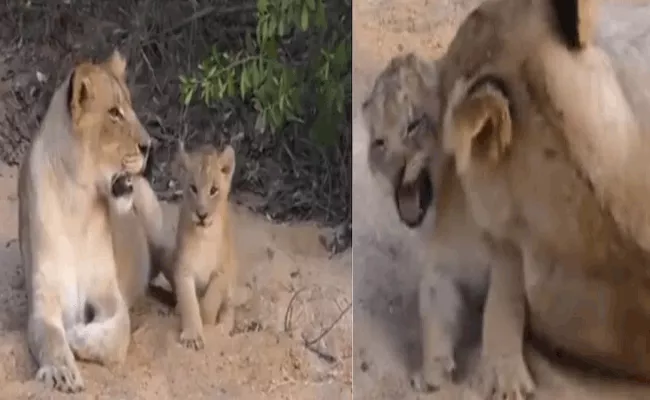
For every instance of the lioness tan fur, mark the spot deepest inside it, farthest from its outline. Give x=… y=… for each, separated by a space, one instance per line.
x=79 y=193
x=203 y=273
x=405 y=149
x=545 y=109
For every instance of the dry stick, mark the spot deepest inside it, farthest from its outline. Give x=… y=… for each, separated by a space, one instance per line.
x=309 y=344
x=288 y=315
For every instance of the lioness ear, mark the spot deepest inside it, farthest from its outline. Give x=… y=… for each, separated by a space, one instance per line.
x=576 y=20
x=80 y=90
x=477 y=124
x=116 y=64
x=227 y=161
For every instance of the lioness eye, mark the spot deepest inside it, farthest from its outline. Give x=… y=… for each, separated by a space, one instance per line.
x=413 y=125
x=213 y=190
x=115 y=112
x=193 y=188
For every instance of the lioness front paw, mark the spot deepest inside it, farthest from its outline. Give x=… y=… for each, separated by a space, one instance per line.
x=192 y=339
x=503 y=378
x=433 y=374
x=64 y=377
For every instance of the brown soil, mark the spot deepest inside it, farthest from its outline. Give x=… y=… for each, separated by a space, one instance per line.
x=386 y=258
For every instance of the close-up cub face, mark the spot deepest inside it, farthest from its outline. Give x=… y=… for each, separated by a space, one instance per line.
x=206 y=175
x=404 y=151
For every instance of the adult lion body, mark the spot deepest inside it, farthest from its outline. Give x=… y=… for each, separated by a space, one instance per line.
x=405 y=150
x=75 y=198
x=545 y=112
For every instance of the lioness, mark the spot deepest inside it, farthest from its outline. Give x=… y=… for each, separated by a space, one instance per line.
x=532 y=93
x=405 y=150
x=79 y=191
x=203 y=269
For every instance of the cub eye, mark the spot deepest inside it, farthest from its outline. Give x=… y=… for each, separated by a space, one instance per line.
x=378 y=143
x=115 y=112
x=193 y=188
x=213 y=190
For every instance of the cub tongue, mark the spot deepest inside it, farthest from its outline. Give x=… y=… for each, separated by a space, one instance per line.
x=407 y=197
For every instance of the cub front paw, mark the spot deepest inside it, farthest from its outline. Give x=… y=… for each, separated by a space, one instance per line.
x=64 y=377
x=191 y=340
x=434 y=373
x=504 y=378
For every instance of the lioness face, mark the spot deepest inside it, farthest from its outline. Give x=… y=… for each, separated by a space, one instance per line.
x=206 y=175
x=404 y=150
x=106 y=125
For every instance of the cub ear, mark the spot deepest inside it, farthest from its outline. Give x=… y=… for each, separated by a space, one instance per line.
x=576 y=21
x=116 y=63
x=227 y=161
x=477 y=124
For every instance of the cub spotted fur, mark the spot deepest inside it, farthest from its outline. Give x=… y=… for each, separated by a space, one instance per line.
x=203 y=273
x=79 y=191
x=545 y=110
x=405 y=150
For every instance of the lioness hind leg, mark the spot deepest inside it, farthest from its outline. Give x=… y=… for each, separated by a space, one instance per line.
x=441 y=308
x=56 y=364
x=106 y=339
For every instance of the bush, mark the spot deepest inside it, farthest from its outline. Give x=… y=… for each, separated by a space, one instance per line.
x=295 y=69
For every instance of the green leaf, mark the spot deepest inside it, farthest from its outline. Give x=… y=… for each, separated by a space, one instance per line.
x=260 y=122
x=304 y=19
x=189 y=93
x=243 y=83
x=262 y=5
x=311 y=4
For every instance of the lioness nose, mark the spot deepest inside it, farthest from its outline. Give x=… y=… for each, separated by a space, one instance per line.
x=201 y=215
x=144 y=149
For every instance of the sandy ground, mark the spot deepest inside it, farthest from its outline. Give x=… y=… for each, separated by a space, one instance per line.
x=386 y=256
x=265 y=359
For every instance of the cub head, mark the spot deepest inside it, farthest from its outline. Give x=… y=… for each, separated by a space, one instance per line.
x=206 y=176
x=105 y=126
x=404 y=150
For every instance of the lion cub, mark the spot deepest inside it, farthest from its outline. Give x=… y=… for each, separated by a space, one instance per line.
x=204 y=270
x=405 y=153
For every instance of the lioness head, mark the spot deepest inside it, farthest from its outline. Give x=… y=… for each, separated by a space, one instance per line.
x=404 y=150
x=105 y=125
x=206 y=176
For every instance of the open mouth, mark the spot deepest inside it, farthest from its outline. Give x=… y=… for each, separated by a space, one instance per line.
x=122 y=185
x=413 y=199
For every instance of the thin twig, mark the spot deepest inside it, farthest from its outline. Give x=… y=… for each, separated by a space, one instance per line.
x=288 y=315
x=309 y=343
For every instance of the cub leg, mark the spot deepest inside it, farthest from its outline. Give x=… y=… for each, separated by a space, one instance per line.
x=47 y=344
x=503 y=371
x=216 y=303
x=105 y=340
x=191 y=325
x=441 y=308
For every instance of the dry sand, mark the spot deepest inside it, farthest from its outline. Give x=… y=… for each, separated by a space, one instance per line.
x=266 y=359
x=386 y=257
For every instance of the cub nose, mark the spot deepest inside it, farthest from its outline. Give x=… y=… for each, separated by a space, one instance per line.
x=201 y=216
